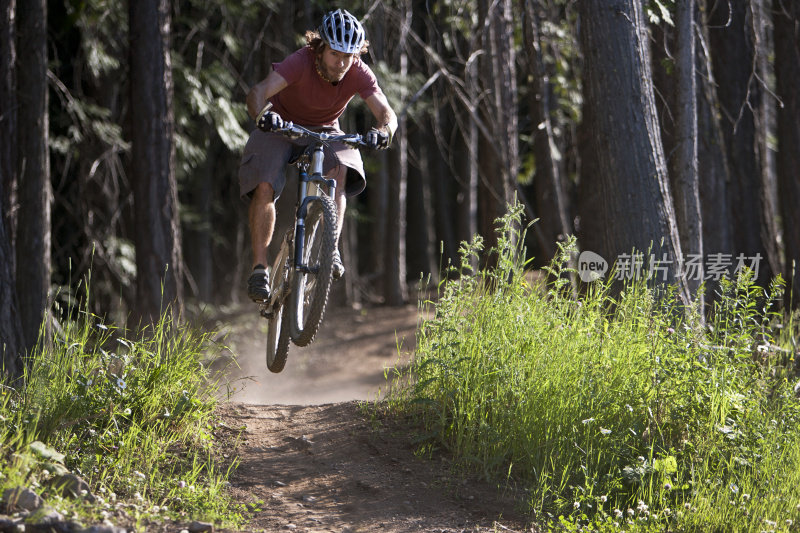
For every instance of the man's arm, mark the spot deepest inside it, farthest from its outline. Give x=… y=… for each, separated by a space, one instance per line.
x=263 y=91
x=384 y=114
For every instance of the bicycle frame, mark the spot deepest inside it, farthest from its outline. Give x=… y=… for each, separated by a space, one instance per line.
x=308 y=191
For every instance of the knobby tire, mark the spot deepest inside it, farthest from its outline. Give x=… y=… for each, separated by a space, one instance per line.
x=309 y=296
x=278 y=331
x=277 y=340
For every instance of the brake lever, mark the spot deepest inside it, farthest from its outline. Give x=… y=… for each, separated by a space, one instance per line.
x=290 y=131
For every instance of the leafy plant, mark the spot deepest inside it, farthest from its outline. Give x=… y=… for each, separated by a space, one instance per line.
x=133 y=417
x=613 y=411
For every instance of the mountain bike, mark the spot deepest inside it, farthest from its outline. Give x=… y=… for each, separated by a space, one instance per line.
x=302 y=272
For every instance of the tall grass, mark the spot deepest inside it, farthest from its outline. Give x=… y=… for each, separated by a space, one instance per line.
x=618 y=410
x=133 y=417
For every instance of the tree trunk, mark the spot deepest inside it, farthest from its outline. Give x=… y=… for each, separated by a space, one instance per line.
x=420 y=232
x=395 y=289
x=631 y=206
x=8 y=118
x=766 y=130
x=686 y=189
x=732 y=43
x=198 y=235
x=499 y=154
x=156 y=236
x=787 y=72
x=33 y=226
x=548 y=185
x=468 y=164
x=11 y=341
x=441 y=177
x=714 y=186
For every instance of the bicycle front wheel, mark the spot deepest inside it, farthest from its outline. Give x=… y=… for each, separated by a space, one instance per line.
x=310 y=287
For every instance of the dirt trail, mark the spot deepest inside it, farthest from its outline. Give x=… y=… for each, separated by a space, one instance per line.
x=346 y=361
x=312 y=459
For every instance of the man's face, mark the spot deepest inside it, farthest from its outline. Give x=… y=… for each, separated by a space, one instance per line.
x=334 y=64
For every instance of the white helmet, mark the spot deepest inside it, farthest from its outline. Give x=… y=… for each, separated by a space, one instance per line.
x=342 y=31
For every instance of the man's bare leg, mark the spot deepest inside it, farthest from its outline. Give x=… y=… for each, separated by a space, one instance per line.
x=261 y=218
x=262 y=221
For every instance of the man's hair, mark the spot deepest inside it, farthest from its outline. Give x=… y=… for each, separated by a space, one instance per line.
x=317 y=44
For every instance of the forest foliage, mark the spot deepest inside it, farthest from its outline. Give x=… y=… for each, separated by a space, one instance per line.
x=492 y=106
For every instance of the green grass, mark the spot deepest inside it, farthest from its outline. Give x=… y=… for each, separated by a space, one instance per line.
x=613 y=410
x=132 y=417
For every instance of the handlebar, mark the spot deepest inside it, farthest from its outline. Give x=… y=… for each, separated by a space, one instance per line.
x=293 y=130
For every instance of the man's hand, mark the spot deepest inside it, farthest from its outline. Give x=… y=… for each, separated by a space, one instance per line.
x=378 y=139
x=269 y=120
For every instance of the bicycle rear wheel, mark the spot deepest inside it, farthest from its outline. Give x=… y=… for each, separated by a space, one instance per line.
x=309 y=295
x=277 y=340
x=278 y=332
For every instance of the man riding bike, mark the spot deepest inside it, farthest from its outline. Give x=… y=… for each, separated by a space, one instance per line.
x=312 y=88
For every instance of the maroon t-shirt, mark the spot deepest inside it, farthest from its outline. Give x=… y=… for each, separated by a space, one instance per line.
x=309 y=100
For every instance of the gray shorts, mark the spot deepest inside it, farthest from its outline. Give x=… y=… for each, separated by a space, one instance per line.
x=266 y=156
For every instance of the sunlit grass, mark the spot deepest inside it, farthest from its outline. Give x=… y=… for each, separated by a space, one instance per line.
x=616 y=410
x=133 y=417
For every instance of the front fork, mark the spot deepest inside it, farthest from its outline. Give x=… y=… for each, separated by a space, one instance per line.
x=310 y=190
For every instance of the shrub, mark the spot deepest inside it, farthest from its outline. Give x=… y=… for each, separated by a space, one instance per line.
x=623 y=410
x=131 y=417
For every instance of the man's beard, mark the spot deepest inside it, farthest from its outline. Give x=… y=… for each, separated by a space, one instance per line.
x=327 y=75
